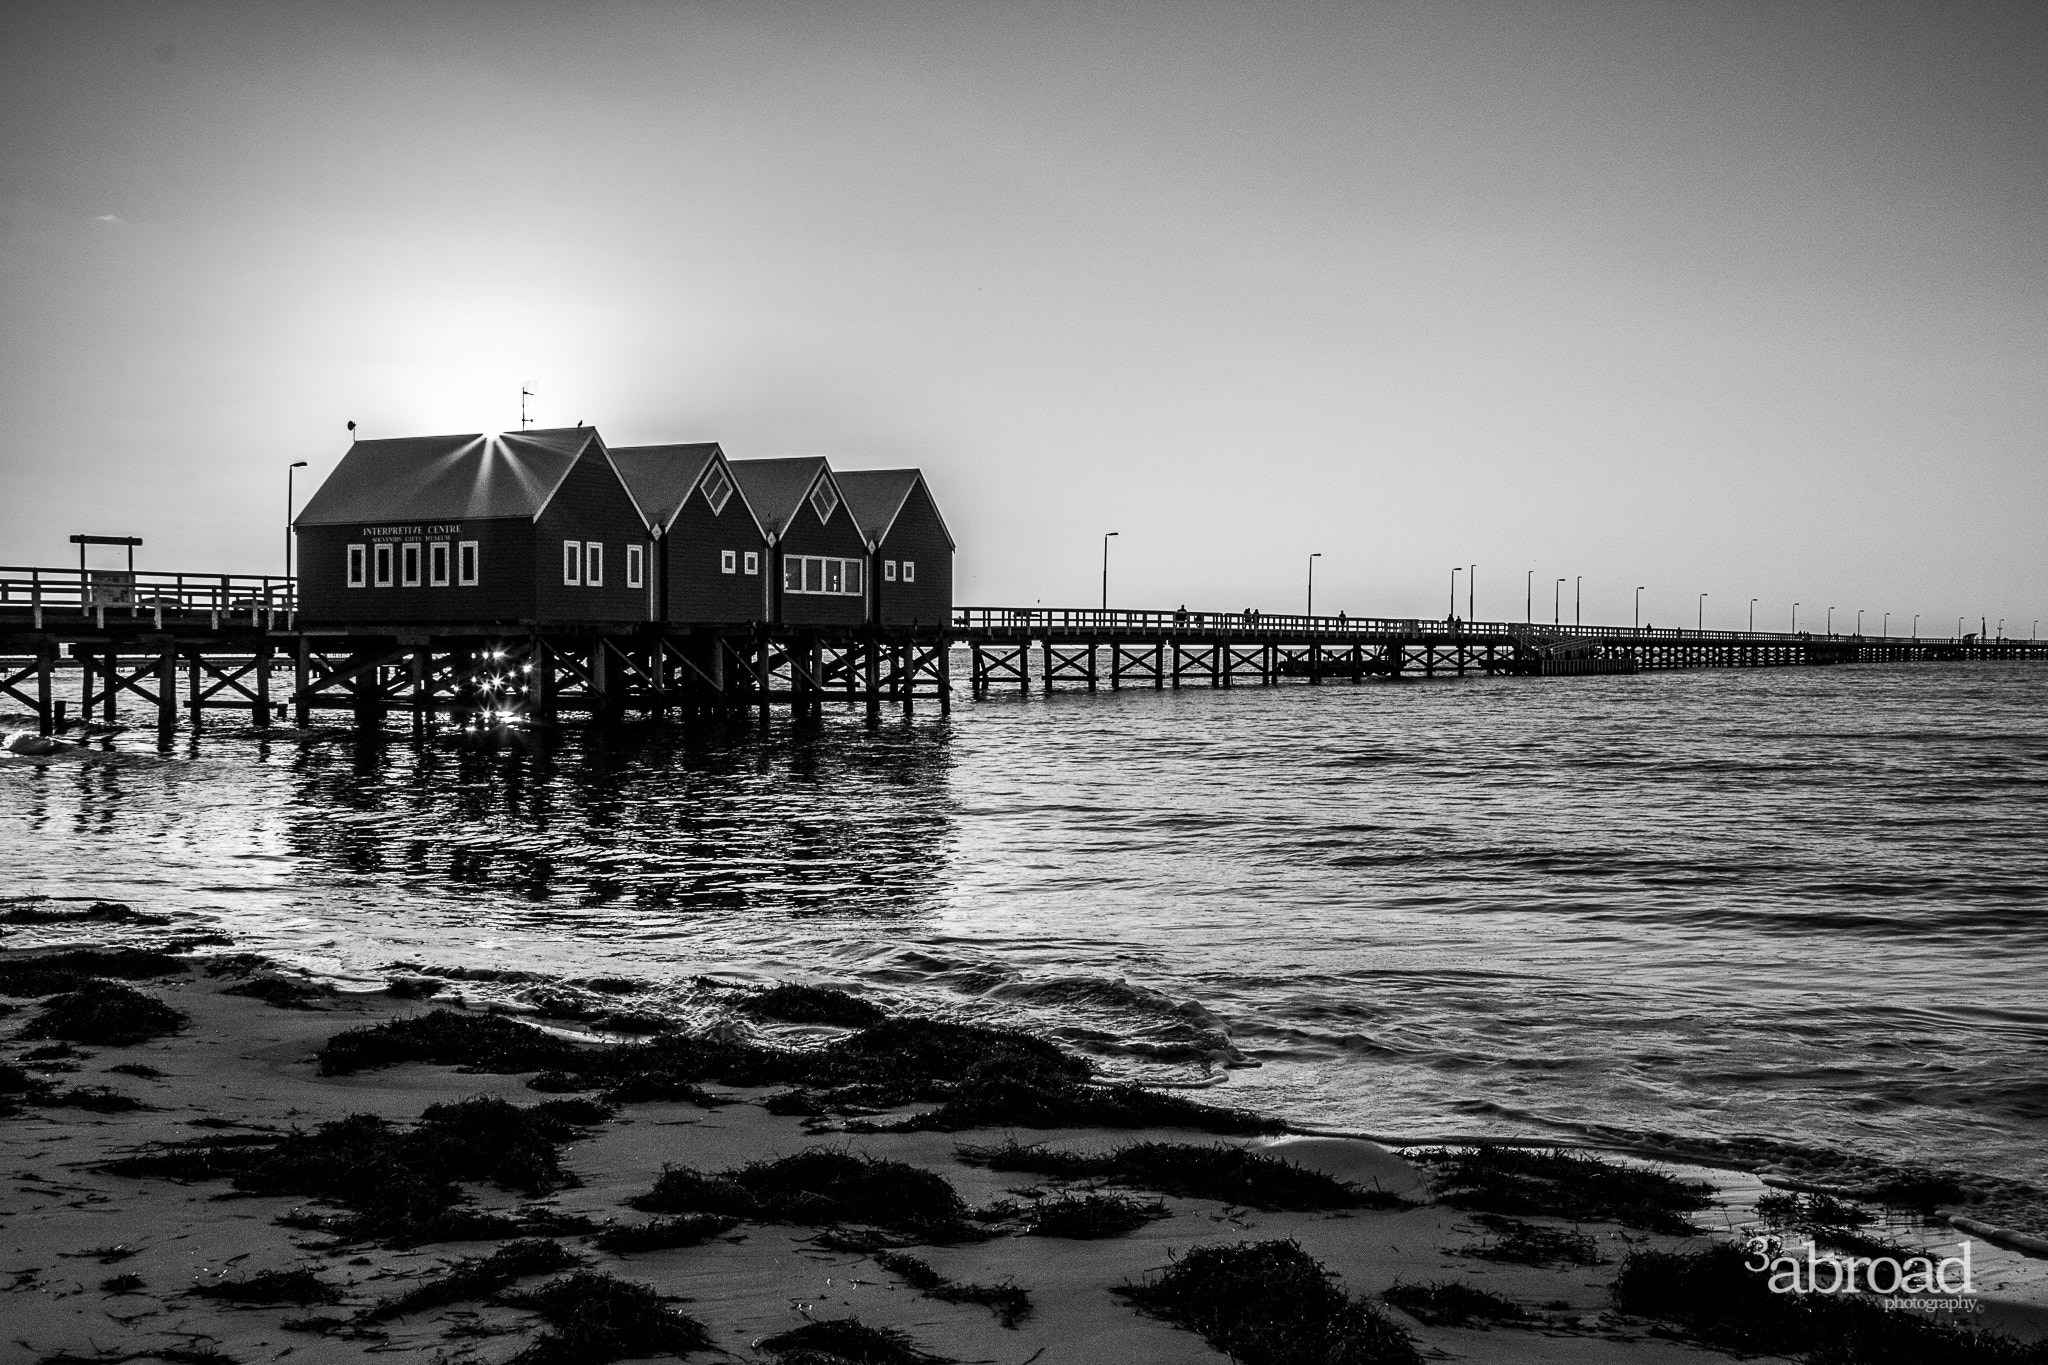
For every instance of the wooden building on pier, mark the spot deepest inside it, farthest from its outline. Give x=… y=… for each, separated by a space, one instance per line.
x=522 y=528
x=818 y=557
x=910 y=551
x=711 y=555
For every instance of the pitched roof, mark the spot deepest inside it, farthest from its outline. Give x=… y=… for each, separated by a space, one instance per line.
x=447 y=478
x=876 y=497
x=776 y=489
x=662 y=478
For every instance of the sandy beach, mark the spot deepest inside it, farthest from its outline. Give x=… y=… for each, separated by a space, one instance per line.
x=139 y=1223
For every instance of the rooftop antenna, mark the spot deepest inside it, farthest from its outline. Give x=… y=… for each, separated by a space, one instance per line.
x=524 y=394
x=351 y=431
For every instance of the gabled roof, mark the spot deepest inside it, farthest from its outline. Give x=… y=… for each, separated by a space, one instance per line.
x=448 y=478
x=662 y=478
x=876 y=498
x=776 y=489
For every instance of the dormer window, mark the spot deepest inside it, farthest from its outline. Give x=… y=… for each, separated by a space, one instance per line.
x=824 y=500
x=717 y=488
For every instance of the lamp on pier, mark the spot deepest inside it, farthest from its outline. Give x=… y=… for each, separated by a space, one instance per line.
x=1752 y=616
x=1312 y=581
x=1639 y=606
x=1700 y=624
x=1105 y=571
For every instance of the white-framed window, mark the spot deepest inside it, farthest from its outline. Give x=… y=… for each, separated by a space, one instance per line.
x=728 y=561
x=437 y=564
x=572 y=563
x=752 y=560
x=717 y=488
x=821 y=576
x=888 y=571
x=593 y=564
x=909 y=572
x=380 y=561
x=465 y=564
x=409 y=565
x=359 y=566
x=824 y=499
x=635 y=554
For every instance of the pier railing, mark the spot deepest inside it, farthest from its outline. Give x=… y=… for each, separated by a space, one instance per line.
x=43 y=592
x=1537 y=636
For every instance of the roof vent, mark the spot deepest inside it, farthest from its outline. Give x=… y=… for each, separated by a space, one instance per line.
x=717 y=488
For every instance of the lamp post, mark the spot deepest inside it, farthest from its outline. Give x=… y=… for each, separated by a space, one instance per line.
x=1556 y=596
x=1105 y=568
x=1795 y=618
x=1312 y=581
x=1752 y=616
x=1455 y=571
x=2001 y=628
x=289 y=471
x=1700 y=624
x=1831 y=623
x=1959 y=629
x=1916 y=625
x=1639 y=607
x=1578 y=600
x=1529 y=604
x=1884 y=627
x=1859 y=623
x=1471 y=591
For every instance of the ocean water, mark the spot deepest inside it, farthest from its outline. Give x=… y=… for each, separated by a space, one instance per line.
x=1802 y=904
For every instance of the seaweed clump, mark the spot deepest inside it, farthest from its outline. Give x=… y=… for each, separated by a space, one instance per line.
x=272 y=1286
x=280 y=992
x=1010 y=1304
x=477 y=1042
x=1563 y=1184
x=665 y=1234
x=1521 y=1243
x=593 y=1318
x=794 y=1004
x=1716 y=1299
x=1450 y=1304
x=1828 y=1221
x=1090 y=1216
x=397 y=1183
x=845 y=1341
x=104 y=1012
x=1270 y=1303
x=1234 y=1175
x=49 y=973
x=817 y=1188
x=99 y=912
x=474 y=1277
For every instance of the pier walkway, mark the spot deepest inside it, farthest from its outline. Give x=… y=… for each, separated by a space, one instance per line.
x=77 y=644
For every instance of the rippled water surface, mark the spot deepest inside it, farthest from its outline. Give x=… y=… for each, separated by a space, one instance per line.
x=1805 y=904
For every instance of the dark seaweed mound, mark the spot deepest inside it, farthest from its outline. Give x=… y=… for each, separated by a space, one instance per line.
x=104 y=1012
x=1563 y=1184
x=1231 y=1174
x=1271 y=1303
x=594 y=1318
x=816 y=1188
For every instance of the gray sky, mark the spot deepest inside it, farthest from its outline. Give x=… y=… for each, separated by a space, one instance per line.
x=1744 y=299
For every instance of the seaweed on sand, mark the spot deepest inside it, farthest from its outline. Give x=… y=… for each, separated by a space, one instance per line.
x=272 y=1286
x=819 y=1187
x=1523 y=1243
x=1560 y=1183
x=1270 y=1303
x=105 y=1012
x=474 y=1277
x=1090 y=1216
x=1234 y=1175
x=478 y=1042
x=1829 y=1221
x=593 y=1318
x=99 y=912
x=397 y=1183
x=1010 y=1304
x=1449 y=1304
x=1715 y=1298
x=665 y=1234
x=795 y=1004
x=279 y=991
x=49 y=973
x=845 y=1341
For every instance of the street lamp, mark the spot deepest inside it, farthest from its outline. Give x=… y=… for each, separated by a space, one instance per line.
x=1455 y=571
x=1471 y=591
x=1916 y=625
x=1859 y=623
x=1556 y=595
x=1752 y=616
x=1831 y=623
x=1700 y=625
x=1639 y=606
x=1578 y=600
x=1312 y=581
x=1884 y=629
x=1795 y=618
x=1959 y=628
x=291 y=469
x=1529 y=603
x=1105 y=568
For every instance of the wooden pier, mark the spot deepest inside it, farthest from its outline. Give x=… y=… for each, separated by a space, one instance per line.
x=77 y=645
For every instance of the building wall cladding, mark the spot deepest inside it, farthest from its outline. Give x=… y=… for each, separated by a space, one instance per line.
x=920 y=537
x=700 y=592
x=503 y=590
x=592 y=506
x=838 y=538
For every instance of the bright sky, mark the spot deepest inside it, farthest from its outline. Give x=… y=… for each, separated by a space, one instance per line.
x=1744 y=299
